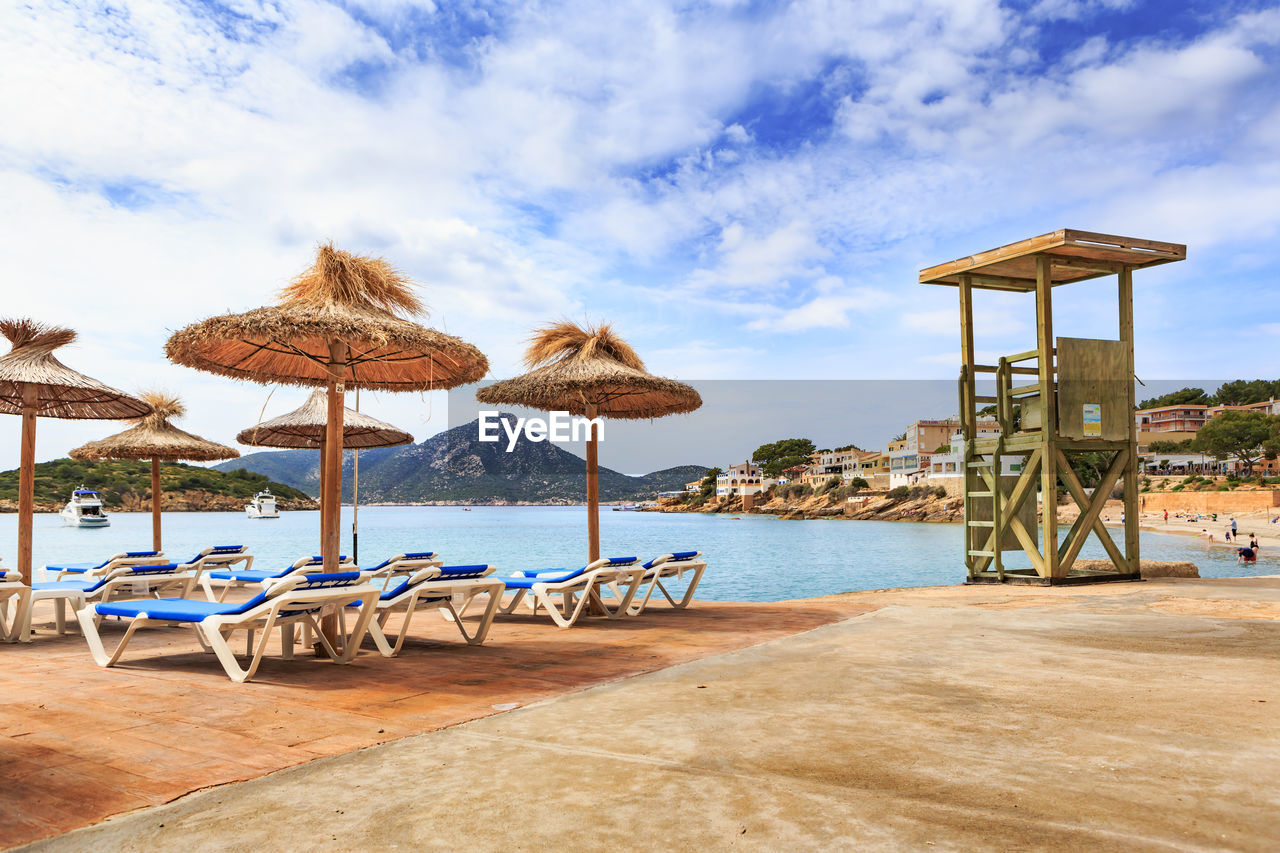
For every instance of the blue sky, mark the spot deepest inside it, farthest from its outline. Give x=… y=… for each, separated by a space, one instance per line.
x=747 y=189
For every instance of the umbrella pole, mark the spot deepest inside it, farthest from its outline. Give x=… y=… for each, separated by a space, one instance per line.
x=355 y=498
x=593 y=502
x=155 y=504
x=27 y=480
x=324 y=445
x=330 y=529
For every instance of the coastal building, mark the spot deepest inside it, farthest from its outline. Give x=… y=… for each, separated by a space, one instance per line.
x=794 y=474
x=742 y=479
x=872 y=466
x=909 y=457
x=1169 y=423
x=947 y=469
x=693 y=487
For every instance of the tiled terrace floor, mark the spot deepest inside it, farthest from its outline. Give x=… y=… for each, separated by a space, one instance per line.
x=79 y=743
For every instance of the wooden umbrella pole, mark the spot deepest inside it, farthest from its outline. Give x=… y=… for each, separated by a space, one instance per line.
x=27 y=480
x=155 y=504
x=323 y=463
x=593 y=502
x=330 y=528
x=593 y=491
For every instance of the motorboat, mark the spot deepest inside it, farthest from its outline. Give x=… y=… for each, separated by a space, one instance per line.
x=262 y=506
x=84 y=510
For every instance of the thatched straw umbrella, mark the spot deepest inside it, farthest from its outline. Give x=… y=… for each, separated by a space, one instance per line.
x=33 y=383
x=342 y=322
x=594 y=373
x=304 y=427
x=153 y=438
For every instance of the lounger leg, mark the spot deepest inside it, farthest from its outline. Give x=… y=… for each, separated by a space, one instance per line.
x=379 y=637
x=286 y=641
x=368 y=606
x=510 y=607
x=90 y=628
x=486 y=619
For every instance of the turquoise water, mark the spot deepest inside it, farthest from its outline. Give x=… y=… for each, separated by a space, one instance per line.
x=751 y=558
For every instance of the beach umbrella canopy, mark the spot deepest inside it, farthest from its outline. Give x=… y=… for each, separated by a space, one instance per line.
x=594 y=373
x=345 y=321
x=34 y=383
x=153 y=438
x=305 y=427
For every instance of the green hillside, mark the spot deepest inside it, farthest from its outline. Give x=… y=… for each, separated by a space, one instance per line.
x=114 y=481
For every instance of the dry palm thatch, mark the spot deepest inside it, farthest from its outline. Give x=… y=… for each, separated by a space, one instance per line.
x=305 y=427
x=574 y=368
x=61 y=391
x=153 y=437
x=361 y=301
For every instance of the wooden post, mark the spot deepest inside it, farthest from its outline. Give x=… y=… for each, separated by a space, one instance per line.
x=323 y=462
x=593 y=501
x=27 y=479
x=593 y=490
x=330 y=498
x=1048 y=414
x=155 y=504
x=1131 y=551
x=968 y=414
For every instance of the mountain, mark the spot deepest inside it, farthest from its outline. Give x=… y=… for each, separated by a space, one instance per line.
x=455 y=467
x=127 y=486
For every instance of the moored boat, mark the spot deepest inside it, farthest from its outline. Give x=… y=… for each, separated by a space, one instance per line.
x=84 y=510
x=262 y=506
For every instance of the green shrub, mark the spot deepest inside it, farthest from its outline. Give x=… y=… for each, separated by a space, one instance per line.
x=901 y=493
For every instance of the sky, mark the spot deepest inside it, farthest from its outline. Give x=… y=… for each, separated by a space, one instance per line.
x=747 y=190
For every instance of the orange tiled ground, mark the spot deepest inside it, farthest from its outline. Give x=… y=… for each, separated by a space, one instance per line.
x=81 y=743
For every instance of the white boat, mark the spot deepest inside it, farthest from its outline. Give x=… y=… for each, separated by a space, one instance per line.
x=84 y=510
x=263 y=506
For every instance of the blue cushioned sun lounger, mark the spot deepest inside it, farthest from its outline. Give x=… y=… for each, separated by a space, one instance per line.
x=132 y=581
x=576 y=588
x=124 y=558
x=297 y=598
x=666 y=567
x=235 y=577
x=406 y=563
x=437 y=588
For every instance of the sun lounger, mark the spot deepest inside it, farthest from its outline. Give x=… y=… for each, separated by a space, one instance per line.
x=237 y=577
x=667 y=567
x=126 y=581
x=12 y=589
x=124 y=558
x=403 y=564
x=285 y=602
x=576 y=589
x=437 y=588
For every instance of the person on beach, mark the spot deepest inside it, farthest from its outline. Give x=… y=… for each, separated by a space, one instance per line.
x=1253 y=542
x=1205 y=534
x=1226 y=534
x=1166 y=516
x=1246 y=555
x=1233 y=528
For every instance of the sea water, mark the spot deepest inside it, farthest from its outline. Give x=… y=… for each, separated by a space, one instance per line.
x=750 y=557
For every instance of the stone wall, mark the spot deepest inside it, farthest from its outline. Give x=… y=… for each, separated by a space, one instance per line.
x=1210 y=502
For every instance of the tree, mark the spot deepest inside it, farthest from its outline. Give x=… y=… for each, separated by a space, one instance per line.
x=709 y=482
x=1241 y=393
x=1242 y=435
x=1187 y=446
x=777 y=456
x=1184 y=396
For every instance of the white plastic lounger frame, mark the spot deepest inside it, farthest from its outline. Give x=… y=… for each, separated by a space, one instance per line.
x=666 y=567
x=246 y=576
x=437 y=589
x=284 y=603
x=122 y=582
x=13 y=589
x=122 y=560
x=577 y=590
x=219 y=558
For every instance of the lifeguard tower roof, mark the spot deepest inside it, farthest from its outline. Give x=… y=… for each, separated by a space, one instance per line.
x=1076 y=256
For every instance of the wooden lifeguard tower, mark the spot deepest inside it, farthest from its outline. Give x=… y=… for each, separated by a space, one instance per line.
x=1077 y=397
